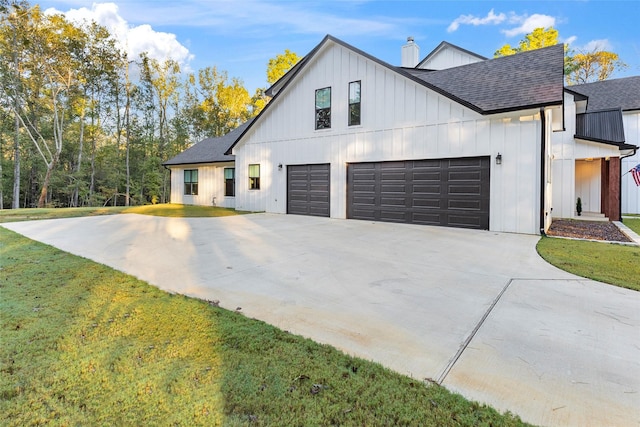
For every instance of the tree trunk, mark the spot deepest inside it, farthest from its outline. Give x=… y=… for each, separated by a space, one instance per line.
x=127 y=199
x=15 y=201
x=42 y=201
x=76 y=191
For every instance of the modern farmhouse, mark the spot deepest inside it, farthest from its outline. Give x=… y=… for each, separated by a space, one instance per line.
x=454 y=139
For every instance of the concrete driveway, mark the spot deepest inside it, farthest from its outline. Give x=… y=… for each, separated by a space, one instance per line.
x=476 y=311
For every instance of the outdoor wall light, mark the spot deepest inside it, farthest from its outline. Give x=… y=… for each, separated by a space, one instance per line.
x=499 y=159
x=280 y=167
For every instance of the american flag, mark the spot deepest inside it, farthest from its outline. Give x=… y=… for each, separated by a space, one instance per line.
x=635 y=172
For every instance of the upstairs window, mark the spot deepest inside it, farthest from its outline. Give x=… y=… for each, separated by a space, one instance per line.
x=354 y=103
x=323 y=108
x=191 y=182
x=229 y=181
x=254 y=177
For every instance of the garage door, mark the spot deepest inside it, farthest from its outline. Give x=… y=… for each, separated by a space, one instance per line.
x=308 y=189
x=447 y=192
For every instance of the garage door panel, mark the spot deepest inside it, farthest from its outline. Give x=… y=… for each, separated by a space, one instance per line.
x=449 y=192
x=418 y=189
x=465 y=176
x=393 y=201
x=393 y=188
x=427 y=203
x=427 y=176
x=308 y=189
x=392 y=216
x=472 y=205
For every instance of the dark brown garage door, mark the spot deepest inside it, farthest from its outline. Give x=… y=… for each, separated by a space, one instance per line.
x=447 y=192
x=308 y=189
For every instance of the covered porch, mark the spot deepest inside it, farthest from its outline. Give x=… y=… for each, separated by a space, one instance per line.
x=597 y=184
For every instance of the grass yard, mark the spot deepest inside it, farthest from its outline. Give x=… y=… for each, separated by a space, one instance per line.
x=632 y=223
x=83 y=344
x=608 y=263
x=167 y=209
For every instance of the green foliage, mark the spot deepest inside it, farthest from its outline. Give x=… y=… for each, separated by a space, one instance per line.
x=609 y=263
x=579 y=206
x=82 y=116
x=86 y=345
x=594 y=66
x=280 y=64
x=581 y=67
x=538 y=38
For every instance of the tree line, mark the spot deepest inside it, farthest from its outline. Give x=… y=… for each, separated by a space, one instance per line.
x=83 y=124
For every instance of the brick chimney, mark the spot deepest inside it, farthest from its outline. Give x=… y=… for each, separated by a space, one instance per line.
x=410 y=54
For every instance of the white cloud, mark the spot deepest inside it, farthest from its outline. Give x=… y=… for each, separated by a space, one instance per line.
x=134 y=39
x=529 y=23
x=596 y=45
x=490 y=19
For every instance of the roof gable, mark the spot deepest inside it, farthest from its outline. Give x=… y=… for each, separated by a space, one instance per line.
x=444 y=48
x=621 y=93
x=522 y=81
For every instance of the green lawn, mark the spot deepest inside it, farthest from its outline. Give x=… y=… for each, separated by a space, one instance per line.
x=609 y=263
x=83 y=344
x=632 y=223
x=169 y=209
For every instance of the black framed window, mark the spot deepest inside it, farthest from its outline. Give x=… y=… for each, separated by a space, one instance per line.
x=323 y=108
x=191 y=182
x=229 y=181
x=254 y=177
x=354 y=103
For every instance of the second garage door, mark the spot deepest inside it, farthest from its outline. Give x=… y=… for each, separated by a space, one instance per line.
x=308 y=189
x=446 y=192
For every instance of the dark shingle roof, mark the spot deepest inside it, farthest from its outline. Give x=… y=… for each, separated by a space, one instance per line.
x=522 y=81
x=617 y=93
x=525 y=80
x=209 y=150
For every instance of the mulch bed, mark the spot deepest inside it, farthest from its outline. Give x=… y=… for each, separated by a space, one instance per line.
x=594 y=230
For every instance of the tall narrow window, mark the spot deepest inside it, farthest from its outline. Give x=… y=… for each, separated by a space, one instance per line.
x=254 y=177
x=191 y=182
x=323 y=108
x=354 y=103
x=229 y=181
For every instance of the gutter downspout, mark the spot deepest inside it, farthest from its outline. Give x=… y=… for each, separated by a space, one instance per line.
x=620 y=180
x=543 y=161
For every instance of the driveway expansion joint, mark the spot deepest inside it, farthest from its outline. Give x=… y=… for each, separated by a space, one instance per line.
x=473 y=333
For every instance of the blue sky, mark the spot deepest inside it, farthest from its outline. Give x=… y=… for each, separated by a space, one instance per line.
x=240 y=36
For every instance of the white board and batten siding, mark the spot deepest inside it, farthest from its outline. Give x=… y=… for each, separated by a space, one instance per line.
x=573 y=175
x=401 y=120
x=630 y=191
x=211 y=185
x=448 y=57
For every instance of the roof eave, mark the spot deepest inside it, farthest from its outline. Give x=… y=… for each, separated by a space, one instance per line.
x=620 y=144
x=202 y=162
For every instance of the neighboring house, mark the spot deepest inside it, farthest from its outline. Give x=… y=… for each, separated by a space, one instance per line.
x=620 y=94
x=454 y=140
x=203 y=174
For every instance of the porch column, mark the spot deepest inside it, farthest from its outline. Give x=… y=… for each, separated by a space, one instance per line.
x=611 y=188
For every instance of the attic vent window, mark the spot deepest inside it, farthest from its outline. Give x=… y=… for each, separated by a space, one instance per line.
x=323 y=108
x=354 y=103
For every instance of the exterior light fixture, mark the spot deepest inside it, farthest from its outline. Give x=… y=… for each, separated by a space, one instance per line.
x=499 y=159
x=280 y=167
